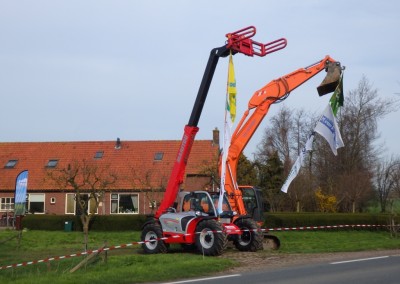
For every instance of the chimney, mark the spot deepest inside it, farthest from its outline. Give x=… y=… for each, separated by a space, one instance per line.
x=118 y=144
x=216 y=137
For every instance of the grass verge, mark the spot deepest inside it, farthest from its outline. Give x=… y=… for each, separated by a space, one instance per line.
x=129 y=265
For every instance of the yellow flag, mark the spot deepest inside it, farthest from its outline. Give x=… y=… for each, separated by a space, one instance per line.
x=231 y=104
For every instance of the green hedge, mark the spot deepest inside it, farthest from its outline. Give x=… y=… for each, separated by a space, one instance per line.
x=135 y=222
x=98 y=223
x=278 y=220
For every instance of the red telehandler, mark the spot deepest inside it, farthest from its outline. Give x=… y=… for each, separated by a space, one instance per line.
x=195 y=221
x=247 y=200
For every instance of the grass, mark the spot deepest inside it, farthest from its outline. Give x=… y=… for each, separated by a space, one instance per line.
x=129 y=265
x=335 y=241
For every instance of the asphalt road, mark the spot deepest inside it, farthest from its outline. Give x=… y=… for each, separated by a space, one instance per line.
x=384 y=269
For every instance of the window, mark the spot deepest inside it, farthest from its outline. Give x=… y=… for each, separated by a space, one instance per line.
x=11 y=164
x=6 y=204
x=52 y=163
x=36 y=203
x=99 y=155
x=158 y=156
x=124 y=203
x=71 y=206
x=70 y=203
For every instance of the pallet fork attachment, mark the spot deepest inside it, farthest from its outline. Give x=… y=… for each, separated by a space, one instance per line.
x=240 y=41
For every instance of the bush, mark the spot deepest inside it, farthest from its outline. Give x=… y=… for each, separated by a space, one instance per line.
x=98 y=222
x=276 y=220
x=135 y=222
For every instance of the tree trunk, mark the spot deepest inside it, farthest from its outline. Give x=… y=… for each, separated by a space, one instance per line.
x=85 y=226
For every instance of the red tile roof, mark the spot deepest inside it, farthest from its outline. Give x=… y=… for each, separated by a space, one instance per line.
x=133 y=159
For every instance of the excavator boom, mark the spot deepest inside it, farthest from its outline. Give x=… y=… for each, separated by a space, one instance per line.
x=258 y=108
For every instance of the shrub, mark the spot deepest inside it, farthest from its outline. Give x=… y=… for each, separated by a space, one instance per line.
x=98 y=223
x=275 y=220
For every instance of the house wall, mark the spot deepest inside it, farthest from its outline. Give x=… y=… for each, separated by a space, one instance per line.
x=55 y=201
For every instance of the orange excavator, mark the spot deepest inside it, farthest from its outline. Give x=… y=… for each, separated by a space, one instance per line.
x=247 y=200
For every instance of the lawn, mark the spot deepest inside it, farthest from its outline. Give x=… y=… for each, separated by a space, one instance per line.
x=130 y=265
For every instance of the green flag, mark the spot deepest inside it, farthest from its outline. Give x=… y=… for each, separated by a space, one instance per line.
x=337 y=98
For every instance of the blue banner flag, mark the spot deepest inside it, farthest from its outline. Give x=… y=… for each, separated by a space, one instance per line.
x=21 y=186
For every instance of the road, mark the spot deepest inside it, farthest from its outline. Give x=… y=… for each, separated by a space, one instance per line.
x=382 y=269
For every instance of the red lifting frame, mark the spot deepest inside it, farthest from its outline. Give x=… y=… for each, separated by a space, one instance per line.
x=240 y=41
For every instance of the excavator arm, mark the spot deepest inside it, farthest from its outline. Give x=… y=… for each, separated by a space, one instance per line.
x=258 y=106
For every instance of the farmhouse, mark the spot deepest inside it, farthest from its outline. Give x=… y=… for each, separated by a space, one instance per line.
x=137 y=173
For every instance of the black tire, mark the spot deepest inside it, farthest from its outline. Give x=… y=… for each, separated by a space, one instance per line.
x=211 y=240
x=251 y=238
x=151 y=235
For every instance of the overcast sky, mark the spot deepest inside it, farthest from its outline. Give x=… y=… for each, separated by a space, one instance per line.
x=98 y=70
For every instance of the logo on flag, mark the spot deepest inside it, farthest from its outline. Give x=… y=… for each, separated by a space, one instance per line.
x=328 y=128
x=21 y=186
x=231 y=104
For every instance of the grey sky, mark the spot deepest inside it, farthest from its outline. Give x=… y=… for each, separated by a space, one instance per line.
x=98 y=70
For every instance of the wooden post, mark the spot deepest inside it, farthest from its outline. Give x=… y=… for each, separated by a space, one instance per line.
x=105 y=252
x=87 y=259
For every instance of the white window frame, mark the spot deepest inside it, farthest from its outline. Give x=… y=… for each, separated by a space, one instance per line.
x=116 y=197
x=30 y=197
x=7 y=206
x=74 y=203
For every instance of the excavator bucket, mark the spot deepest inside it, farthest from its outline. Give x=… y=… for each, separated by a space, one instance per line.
x=332 y=78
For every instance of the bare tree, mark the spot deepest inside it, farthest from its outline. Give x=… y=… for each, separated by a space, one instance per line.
x=358 y=122
x=301 y=193
x=352 y=190
x=89 y=181
x=353 y=168
x=396 y=178
x=149 y=181
x=277 y=138
x=347 y=176
x=386 y=179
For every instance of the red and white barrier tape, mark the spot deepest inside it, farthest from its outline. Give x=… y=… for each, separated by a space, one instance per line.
x=323 y=227
x=26 y=263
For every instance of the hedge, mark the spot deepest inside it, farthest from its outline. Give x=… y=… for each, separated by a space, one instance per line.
x=98 y=223
x=278 y=220
x=135 y=222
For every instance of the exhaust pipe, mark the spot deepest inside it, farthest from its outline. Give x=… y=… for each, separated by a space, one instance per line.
x=332 y=78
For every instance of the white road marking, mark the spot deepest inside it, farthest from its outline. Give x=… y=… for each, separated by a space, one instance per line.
x=360 y=259
x=204 y=279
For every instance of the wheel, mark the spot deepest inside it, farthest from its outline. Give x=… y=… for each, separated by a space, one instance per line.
x=151 y=235
x=210 y=238
x=251 y=238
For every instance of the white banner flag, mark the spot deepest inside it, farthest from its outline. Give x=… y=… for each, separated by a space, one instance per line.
x=328 y=128
x=297 y=165
x=225 y=149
